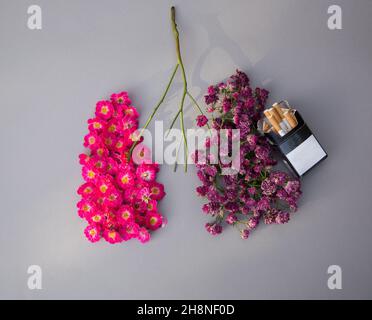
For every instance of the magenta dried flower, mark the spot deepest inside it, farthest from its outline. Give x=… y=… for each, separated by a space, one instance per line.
x=253 y=222
x=282 y=217
x=213 y=228
x=244 y=234
x=268 y=188
x=292 y=186
x=201 y=120
x=231 y=218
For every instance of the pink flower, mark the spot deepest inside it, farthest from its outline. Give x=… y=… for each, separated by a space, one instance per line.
x=125 y=214
x=112 y=166
x=104 y=185
x=96 y=125
x=151 y=205
x=86 y=190
x=130 y=194
x=120 y=99
x=157 y=191
x=92 y=141
x=112 y=199
x=109 y=141
x=100 y=152
x=95 y=217
x=98 y=164
x=143 y=235
x=129 y=125
x=139 y=206
x=112 y=236
x=153 y=220
x=85 y=207
x=141 y=154
x=130 y=112
x=89 y=173
x=84 y=159
x=104 y=109
x=146 y=172
x=144 y=194
x=201 y=120
x=113 y=127
x=125 y=179
x=92 y=232
x=130 y=231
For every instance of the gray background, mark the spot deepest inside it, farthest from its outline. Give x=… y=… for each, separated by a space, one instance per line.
x=50 y=80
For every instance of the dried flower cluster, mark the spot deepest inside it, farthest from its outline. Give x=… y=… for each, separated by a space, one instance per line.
x=255 y=193
x=119 y=196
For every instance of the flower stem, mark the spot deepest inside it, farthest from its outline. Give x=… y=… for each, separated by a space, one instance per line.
x=183 y=73
x=185 y=93
x=156 y=107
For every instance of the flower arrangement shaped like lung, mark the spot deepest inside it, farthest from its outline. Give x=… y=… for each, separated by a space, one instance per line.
x=256 y=193
x=120 y=195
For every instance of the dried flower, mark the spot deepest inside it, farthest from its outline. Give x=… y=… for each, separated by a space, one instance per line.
x=256 y=192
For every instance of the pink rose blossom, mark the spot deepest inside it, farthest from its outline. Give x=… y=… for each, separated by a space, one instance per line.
x=92 y=232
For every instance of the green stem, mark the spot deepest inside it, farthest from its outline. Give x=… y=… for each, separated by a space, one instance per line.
x=197 y=105
x=183 y=73
x=156 y=108
x=173 y=122
x=183 y=130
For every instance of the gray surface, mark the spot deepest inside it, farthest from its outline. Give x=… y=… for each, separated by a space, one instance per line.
x=50 y=80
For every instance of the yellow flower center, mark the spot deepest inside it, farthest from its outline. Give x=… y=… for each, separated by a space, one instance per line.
x=88 y=190
x=119 y=144
x=96 y=125
x=92 y=140
x=93 y=232
x=153 y=221
x=96 y=218
x=103 y=188
x=125 y=180
x=125 y=215
x=155 y=190
x=91 y=174
x=104 y=109
x=99 y=164
x=112 y=234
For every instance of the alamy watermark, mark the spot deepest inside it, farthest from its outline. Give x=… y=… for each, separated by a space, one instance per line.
x=335 y=280
x=34 y=20
x=335 y=19
x=34 y=281
x=203 y=146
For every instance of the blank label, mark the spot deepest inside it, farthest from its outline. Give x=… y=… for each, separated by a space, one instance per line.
x=306 y=155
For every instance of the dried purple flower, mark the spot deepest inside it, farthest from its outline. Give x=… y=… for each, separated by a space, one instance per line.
x=253 y=222
x=201 y=120
x=231 y=218
x=244 y=234
x=282 y=217
x=255 y=191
